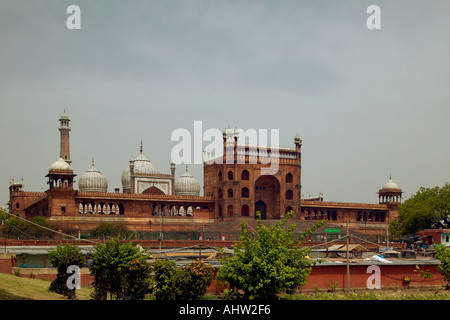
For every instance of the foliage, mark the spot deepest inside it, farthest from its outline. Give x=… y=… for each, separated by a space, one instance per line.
x=443 y=255
x=18 y=228
x=110 y=230
x=61 y=258
x=166 y=275
x=428 y=208
x=195 y=279
x=188 y=283
x=120 y=270
x=423 y=273
x=3 y=215
x=269 y=264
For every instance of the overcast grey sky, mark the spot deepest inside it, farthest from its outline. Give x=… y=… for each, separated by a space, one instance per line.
x=367 y=103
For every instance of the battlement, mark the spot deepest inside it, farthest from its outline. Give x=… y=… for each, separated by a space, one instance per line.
x=138 y=196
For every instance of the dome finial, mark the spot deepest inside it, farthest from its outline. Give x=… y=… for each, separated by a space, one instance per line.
x=92 y=161
x=141 y=146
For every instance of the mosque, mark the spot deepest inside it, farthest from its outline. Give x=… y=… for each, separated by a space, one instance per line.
x=150 y=201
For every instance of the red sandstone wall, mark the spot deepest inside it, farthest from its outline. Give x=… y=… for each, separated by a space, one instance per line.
x=321 y=277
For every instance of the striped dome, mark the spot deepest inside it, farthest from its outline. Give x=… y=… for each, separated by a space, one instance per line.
x=187 y=185
x=93 y=180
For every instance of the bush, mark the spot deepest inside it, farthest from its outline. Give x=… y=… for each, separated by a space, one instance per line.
x=443 y=254
x=109 y=230
x=188 y=283
x=61 y=258
x=166 y=275
x=120 y=270
x=269 y=264
x=195 y=279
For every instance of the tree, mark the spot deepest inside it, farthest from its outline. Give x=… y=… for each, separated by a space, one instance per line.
x=269 y=264
x=443 y=255
x=428 y=208
x=34 y=228
x=166 y=275
x=187 y=283
x=194 y=280
x=120 y=270
x=109 y=230
x=61 y=258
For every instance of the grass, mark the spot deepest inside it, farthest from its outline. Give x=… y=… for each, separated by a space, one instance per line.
x=373 y=295
x=21 y=288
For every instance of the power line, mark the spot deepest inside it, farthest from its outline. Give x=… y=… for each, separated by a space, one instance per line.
x=49 y=229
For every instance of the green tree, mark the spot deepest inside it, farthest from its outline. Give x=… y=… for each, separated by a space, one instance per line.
x=61 y=258
x=39 y=227
x=109 y=230
x=120 y=270
x=443 y=255
x=428 y=208
x=269 y=264
x=166 y=278
x=187 y=283
x=194 y=280
x=34 y=228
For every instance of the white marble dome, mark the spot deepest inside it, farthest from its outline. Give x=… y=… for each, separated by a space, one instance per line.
x=60 y=164
x=126 y=179
x=390 y=185
x=187 y=185
x=93 y=180
x=143 y=166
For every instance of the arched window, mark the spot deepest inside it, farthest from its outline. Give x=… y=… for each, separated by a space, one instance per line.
x=220 y=175
x=245 y=175
x=245 y=193
x=289 y=178
x=230 y=210
x=230 y=175
x=219 y=192
x=220 y=210
x=230 y=193
x=289 y=195
x=121 y=209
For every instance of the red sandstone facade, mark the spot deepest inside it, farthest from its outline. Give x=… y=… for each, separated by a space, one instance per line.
x=234 y=188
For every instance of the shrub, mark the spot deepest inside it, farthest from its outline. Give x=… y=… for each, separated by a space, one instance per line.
x=166 y=275
x=269 y=264
x=188 y=283
x=120 y=270
x=195 y=279
x=61 y=258
x=443 y=254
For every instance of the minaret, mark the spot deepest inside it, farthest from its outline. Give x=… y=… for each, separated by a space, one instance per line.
x=65 y=144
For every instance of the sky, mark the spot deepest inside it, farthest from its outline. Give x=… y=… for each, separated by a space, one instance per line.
x=366 y=103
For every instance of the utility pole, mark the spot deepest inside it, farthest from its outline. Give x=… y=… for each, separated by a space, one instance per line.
x=387 y=237
x=348 y=263
x=160 y=230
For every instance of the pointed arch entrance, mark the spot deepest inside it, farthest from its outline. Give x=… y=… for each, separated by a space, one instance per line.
x=267 y=194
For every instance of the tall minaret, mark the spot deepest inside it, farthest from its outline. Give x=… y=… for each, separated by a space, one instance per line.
x=65 y=144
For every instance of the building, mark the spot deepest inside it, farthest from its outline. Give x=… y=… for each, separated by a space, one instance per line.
x=235 y=188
